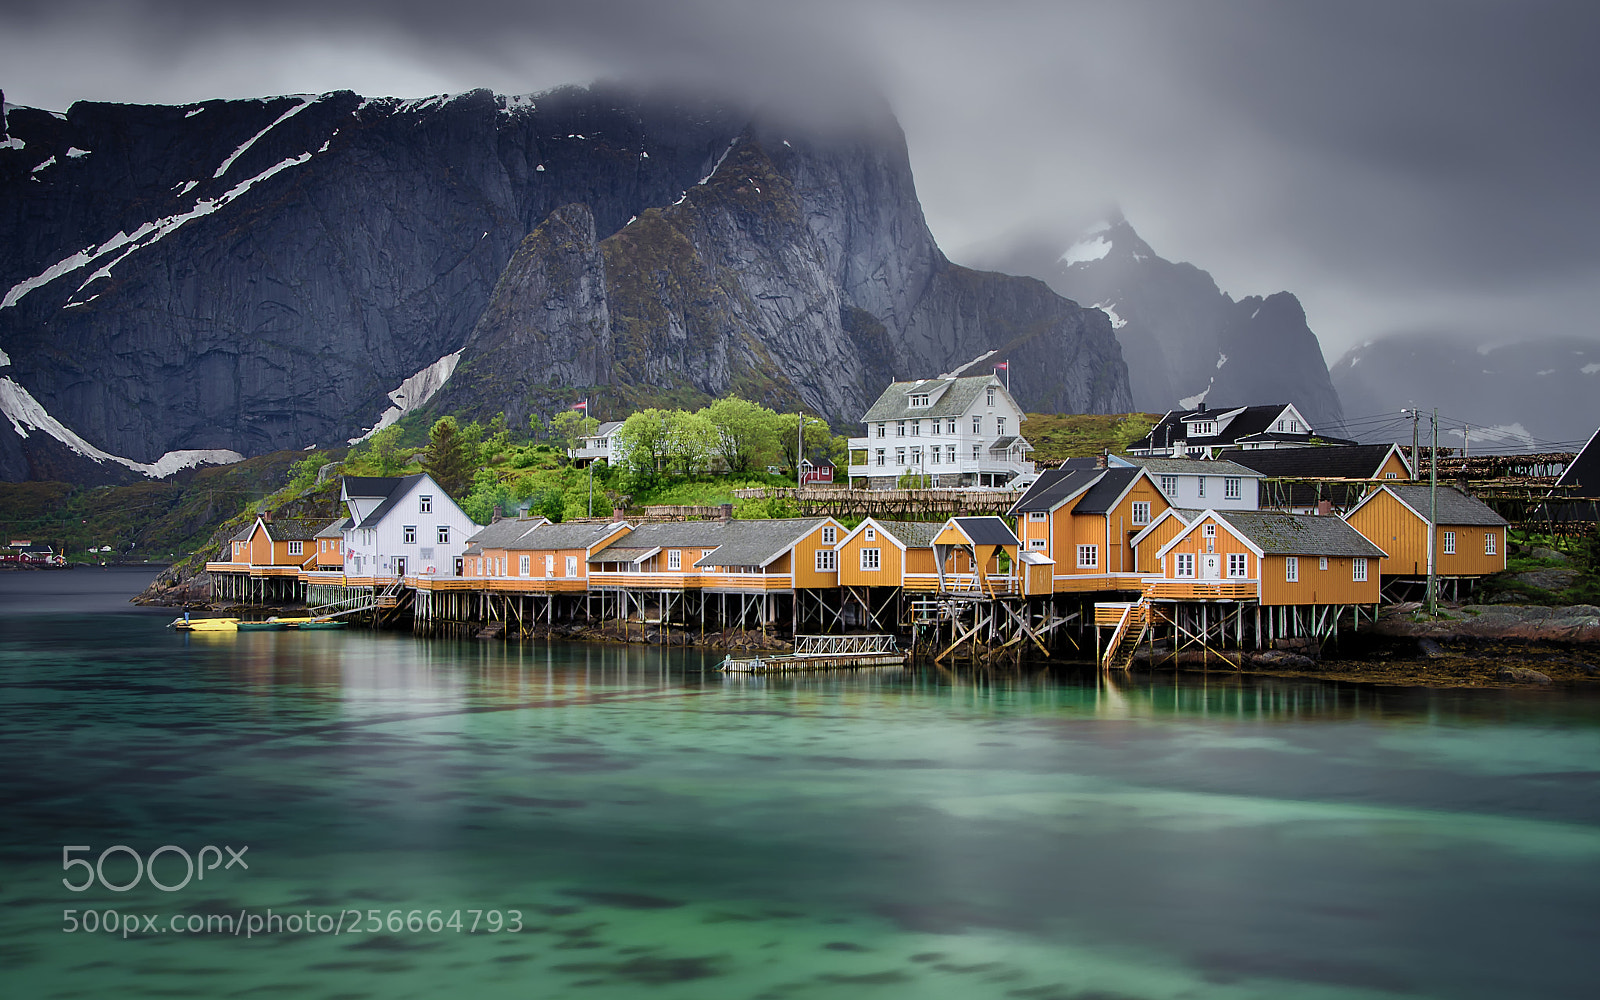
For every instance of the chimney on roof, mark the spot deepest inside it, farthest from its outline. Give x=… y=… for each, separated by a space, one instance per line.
x=522 y=511
x=1324 y=508
x=266 y=515
x=618 y=513
x=499 y=514
x=727 y=512
x=1200 y=409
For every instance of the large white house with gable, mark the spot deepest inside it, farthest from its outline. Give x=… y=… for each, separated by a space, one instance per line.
x=404 y=526
x=955 y=431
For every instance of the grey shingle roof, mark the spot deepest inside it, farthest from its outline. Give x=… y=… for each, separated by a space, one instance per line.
x=1103 y=494
x=335 y=528
x=1277 y=533
x=501 y=534
x=1454 y=506
x=666 y=535
x=1054 y=486
x=756 y=543
x=911 y=534
x=244 y=533
x=1190 y=466
x=294 y=529
x=986 y=530
x=565 y=536
x=895 y=404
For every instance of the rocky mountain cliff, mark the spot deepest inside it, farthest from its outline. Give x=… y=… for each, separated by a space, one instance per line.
x=244 y=276
x=1185 y=341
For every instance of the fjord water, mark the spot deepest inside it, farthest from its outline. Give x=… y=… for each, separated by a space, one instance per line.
x=664 y=831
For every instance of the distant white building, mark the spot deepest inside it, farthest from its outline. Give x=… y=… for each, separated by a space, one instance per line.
x=601 y=445
x=956 y=431
x=405 y=526
x=1199 y=484
x=1206 y=430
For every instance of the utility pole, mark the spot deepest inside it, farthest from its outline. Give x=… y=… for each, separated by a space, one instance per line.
x=1433 y=520
x=1416 y=449
x=800 y=456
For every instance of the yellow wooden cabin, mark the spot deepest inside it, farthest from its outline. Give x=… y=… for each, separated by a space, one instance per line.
x=785 y=554
x=1083 y=523
x=487 y=559
x=330 y=546
x=886 y=553
x=1471 y=536
x=1274 y=558
x=272 y=546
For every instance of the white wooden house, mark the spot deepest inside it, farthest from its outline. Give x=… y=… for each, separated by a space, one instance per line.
x=1205 y=430
x=954 y=431
x=1191 y=482
x=405 y=526
x=599 y=446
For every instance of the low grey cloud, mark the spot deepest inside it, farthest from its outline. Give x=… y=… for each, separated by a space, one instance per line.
x=1396 y=164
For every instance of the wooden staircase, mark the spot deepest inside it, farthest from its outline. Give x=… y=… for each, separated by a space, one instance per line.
x=1131 y=630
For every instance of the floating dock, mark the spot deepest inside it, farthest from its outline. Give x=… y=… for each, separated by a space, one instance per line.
x=823 y=652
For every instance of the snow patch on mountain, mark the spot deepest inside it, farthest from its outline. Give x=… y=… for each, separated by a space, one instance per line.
x=414 y=392
x=1090 y=248
x=305 y=102
x=1590 y=369
x=73 y=152
x=1222 y=359
x=1190 y=402
x=1117 y=322
x=145 y=235
x=27 y=414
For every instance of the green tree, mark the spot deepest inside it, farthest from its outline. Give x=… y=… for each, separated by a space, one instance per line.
x=382 y=456
x=819 y=439
x=1130 y=429
x=643 y=440
x=746 y=433
x=569 y=427
x=691 y=439
x=451 y=456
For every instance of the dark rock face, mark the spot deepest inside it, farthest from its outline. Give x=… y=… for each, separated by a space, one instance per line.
x=254 y=275
x=1182 y=336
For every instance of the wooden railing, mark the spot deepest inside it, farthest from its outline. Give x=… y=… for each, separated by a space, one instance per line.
x=1202 y=590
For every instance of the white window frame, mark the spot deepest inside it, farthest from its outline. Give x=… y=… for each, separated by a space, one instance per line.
x=1358 y=569
x=424 y=503
x=900 y=428
x=977 y=453
x=297 y=548
x=524 y=565
x=1202 y=481
x=871 y=534
x=830 y=535
x=674 y=560
x=919 y=399
x=1088 y=557
x=950 y=428
x=1037 y=515
x=990 y=400
x=1449 y=543
x=1491 y=543
x=1038 y=543
x=1000 y=426
x=442 y=535
x=883 y=458
x=1238 y=565
x=883 y=430
x=1322 y=562
x=977 y=425
x=1232 y=488
x=950 y=453
x=408 y=534
x=1183 y=565
x=1141 y=512
x=1291 y=569
x=572 y=566
x=1169 y=486
x=827 y=561
x=871 y=560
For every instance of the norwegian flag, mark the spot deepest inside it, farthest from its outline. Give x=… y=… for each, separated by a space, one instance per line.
x=1004 y=364
x=582 y=404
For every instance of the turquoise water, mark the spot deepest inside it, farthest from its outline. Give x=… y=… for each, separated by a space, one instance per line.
x=662 y=831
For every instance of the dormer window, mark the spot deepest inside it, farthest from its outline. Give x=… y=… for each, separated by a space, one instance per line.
x=919 y=399
x=1203 y=428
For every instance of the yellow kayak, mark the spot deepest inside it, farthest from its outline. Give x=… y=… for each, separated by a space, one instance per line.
x=206 y=624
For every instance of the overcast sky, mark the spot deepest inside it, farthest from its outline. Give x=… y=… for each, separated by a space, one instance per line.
x=1398 y=165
